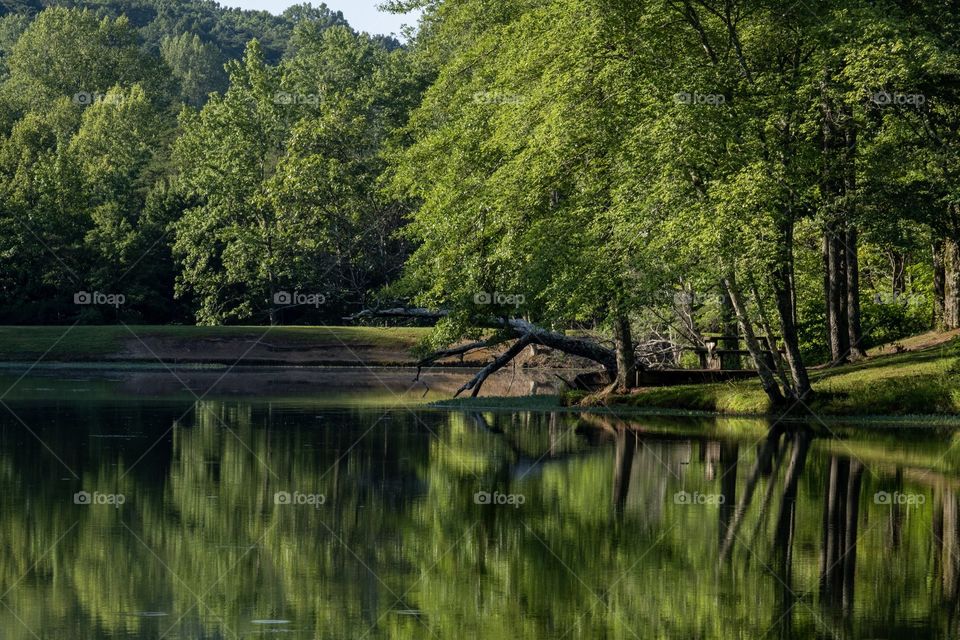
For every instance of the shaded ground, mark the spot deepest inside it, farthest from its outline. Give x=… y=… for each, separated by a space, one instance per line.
x=354 y=385
x=213 y=345
x=244 y=346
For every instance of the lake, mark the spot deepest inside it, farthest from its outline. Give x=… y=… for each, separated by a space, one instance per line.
x=135 y=509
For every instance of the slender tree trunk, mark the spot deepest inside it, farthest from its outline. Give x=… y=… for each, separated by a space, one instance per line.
x=834 y=539
x=272 y=302
x=782 y=280
x=898 y=267
x=939 y=285
x=951 y=548
x=729 y=457
x=729 y=327
x=852 y=257
x=834 y=185
x=854 y=327
x=835 y=285
x=767 y=379
x=951 y=312
x=626 y=359
x=771 y=342
x=763 y=461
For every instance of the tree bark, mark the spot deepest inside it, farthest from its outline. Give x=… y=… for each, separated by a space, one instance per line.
x=850 y=241
x=498 y=363
x=782 y=280
x=854 y=327
x=626 y=359
x=951 y=311
x=523 y=332
x=771 y=342
x=836 y=297
x=834 y=181
x=939 y=285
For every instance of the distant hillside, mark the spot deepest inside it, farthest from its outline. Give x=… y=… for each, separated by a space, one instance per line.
x=227 y=29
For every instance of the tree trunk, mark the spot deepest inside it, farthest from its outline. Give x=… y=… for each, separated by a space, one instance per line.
x=951 y=311
x=939 y=285
x=791 y=342
x=854 y=328
x=850 y=240
x=898 y=269
x=835 y=285
x=834 y=182
x=728 y=325
x=782 y=279
x=767 y=379
x=626 y=359
x=771 y=342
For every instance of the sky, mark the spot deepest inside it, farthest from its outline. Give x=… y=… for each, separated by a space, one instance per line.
x=361 y=14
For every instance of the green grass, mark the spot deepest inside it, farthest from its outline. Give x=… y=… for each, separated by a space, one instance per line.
x=925 y=382
x=90 y=342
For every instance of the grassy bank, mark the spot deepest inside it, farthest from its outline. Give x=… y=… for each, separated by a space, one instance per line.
x=922 y=382
x=92 y=343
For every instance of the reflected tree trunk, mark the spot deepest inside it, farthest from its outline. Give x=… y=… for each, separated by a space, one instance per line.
x=896 y=515
x=764 y=458
x=850 y=545
x=951 y=548
x=784 y=534
x=626 y=447
x=729 y=455
x=833 y=539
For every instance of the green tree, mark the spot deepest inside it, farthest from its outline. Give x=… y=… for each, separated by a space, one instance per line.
x=196 y=65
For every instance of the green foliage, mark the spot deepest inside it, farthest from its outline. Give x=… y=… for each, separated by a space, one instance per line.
x=197 y=66
x=272 y=184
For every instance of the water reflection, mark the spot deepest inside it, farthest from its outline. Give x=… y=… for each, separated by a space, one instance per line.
x=408 y=523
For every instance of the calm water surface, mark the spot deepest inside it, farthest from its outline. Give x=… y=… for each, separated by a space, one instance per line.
x=127 y=514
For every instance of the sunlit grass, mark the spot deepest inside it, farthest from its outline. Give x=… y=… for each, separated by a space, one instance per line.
x=924 y=382
x=90 y=342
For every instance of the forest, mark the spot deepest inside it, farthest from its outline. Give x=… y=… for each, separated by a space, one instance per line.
x=616 y=179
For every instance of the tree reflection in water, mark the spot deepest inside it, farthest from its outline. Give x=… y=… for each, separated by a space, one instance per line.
x=785 y=536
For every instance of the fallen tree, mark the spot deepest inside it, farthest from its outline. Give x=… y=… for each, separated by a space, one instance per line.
x=521 y=333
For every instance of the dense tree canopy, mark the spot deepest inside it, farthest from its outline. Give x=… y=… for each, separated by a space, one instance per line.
x=655 y=173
